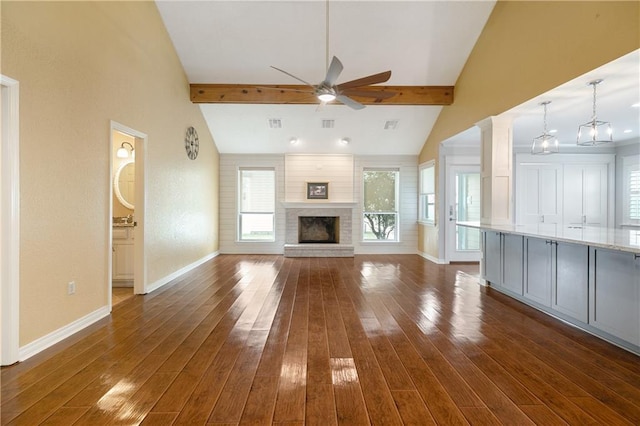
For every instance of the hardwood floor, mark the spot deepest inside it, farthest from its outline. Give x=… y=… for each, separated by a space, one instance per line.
x=380 y=340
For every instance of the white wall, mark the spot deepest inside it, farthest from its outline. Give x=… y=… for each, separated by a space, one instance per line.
x=229 y=166
x=344 y=174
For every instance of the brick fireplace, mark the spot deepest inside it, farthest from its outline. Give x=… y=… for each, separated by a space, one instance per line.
x=321 y=221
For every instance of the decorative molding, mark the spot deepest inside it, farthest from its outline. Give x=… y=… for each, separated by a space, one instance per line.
x=162 y=281
x=62 y=333
x=317 y=205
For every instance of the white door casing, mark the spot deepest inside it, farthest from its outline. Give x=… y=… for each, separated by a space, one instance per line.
x=9 y=223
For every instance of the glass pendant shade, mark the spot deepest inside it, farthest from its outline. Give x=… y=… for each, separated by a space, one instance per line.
x=545 y=143
x=326 y=97
x=594 y=132
x=122 y=152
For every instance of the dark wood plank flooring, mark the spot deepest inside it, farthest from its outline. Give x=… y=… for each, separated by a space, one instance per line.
x=385 y=340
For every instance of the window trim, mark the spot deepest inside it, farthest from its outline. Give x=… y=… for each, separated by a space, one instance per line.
x=630 y=164
x=423 y=193
x=396 y=170
x=240 y=212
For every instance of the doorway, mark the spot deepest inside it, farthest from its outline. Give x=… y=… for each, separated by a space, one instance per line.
x=9 y=222
x=126 y=255
x=462 y=244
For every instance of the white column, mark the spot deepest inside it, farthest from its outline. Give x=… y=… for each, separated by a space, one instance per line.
x=496 y=190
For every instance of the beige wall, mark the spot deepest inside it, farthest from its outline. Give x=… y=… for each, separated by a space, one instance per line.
x=80 y=65
x=525 y=49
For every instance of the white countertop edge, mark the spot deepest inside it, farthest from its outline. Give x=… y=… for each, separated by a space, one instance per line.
x=607 y=238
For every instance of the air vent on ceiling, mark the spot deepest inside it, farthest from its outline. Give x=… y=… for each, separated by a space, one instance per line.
x=328 y=124
x=275 y=123
x=390 y=124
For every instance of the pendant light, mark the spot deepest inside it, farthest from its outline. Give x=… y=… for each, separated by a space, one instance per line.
x=545 y=143
x=594 y=132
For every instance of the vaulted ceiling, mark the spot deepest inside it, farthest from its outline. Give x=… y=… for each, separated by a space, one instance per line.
x=423 y=43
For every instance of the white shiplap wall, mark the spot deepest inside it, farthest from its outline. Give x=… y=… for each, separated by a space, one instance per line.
x=408 y=241
x=344 y=174
x=229 y=165
x=337 y=169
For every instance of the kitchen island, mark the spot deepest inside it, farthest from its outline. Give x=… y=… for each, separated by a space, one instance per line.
x=587 y=276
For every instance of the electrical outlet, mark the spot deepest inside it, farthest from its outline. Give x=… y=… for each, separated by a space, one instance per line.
x=71 y=287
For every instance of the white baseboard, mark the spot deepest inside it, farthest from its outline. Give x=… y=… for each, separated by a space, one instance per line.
x=164 y=280
x=62 y=333
x=433 y=259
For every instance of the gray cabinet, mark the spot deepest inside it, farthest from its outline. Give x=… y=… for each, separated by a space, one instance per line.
x=569 y=281
x=614 y=286
x=503 y=261
x=537 y=276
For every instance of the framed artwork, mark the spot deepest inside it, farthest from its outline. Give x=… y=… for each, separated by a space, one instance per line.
x=317 y=190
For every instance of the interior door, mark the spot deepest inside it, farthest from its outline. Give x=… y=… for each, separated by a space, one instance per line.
x=463 y=205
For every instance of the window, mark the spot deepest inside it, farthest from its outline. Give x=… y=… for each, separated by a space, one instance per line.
x=427 y=202
x=631 y=196
x=256 y=204
x=380 y=210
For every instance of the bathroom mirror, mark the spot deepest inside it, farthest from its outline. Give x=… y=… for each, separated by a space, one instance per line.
x=124 y=183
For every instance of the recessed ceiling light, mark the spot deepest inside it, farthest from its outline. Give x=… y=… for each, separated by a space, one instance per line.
x=275 y=123
x=636 y=105
x=293 y=141
x=344 y=141
x=553 y=131
x=627 y=131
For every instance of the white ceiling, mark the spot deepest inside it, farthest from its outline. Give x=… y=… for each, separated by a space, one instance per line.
x=422 y=42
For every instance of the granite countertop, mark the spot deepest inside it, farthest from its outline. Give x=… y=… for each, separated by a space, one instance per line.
x=610 y=238
x=122 y=225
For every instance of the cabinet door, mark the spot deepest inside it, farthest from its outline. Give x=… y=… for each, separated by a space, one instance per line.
x=594 y=194
x=512 y=262
x=570 y=283
x=541 y=200
x=572 y=190
x=615 y=294
x=123 y=261
x=585 y=194
x=492 y=257
x=537 y=279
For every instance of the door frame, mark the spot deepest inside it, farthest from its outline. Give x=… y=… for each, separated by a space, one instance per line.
x=10 y=222
x=453 y=162
x=140 y=260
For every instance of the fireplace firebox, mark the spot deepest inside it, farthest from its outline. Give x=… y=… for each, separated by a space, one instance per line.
x=319 y=229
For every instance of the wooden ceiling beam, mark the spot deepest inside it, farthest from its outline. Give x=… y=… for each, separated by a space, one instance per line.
x=298 y=94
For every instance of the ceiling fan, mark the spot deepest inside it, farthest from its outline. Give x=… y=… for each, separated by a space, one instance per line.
x=327 y=90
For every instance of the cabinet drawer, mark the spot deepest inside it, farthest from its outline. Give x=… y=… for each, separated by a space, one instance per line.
x=121 y=233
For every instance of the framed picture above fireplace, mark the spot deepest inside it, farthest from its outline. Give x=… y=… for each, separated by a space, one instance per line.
x=317 y=190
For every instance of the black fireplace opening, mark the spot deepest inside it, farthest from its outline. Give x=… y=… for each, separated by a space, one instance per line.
x=318 y=229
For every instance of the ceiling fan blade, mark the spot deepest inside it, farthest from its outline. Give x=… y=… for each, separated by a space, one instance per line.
x=377 y=94
x=349 y=102
x=333 y=72
x=291 y=75
x=365 y=81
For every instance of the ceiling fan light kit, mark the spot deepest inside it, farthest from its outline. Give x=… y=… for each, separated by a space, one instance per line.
x=329 y=91
x=545 y=143
x=594 y=131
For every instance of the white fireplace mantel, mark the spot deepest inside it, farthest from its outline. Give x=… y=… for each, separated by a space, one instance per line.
x=317 y=205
